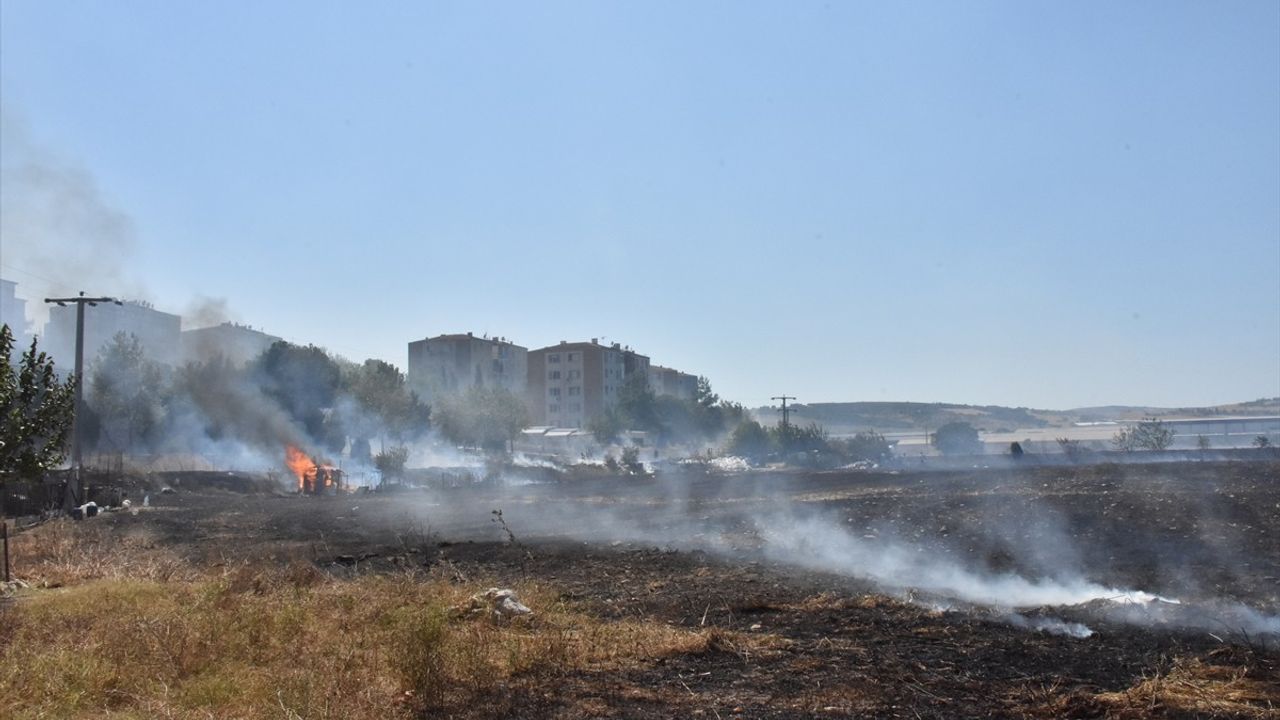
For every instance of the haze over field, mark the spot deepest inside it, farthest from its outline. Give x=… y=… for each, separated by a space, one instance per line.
x=1043 y=206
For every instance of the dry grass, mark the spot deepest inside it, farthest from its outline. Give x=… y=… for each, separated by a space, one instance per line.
x=62 y=552
x=136 y=633
x=1196 y=689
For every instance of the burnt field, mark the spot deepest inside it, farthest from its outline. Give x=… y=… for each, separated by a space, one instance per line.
x=1104 y=591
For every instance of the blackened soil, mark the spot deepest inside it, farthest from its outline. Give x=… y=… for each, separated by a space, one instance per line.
x=631 y=548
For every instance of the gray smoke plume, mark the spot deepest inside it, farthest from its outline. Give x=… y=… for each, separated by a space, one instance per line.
x=58 y=232
x=204 y=311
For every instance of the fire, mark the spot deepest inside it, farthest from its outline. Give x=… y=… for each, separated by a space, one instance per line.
x=299 y=463
x=313 y=479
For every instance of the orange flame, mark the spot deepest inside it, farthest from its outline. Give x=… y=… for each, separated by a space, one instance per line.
x=299 y=463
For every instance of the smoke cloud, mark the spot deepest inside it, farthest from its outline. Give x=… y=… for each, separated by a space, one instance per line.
x=206 y=312
x=59 y=233
x=758 y=517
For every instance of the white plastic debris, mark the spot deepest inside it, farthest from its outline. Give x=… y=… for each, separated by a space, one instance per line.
x=730 y=463
x=12 y=587
x=501 y=602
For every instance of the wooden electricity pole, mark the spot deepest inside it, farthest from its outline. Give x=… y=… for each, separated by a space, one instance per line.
x=76 y=488
x=786 y=414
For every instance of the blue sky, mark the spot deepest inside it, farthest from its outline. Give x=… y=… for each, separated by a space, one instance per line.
x=1023 y=203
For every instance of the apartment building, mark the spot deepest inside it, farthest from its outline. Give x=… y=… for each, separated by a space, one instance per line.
x=238 y=344
x=13 y=312
x=158 y=332
x=668 y=381
x=571 y=383
x=448 y=364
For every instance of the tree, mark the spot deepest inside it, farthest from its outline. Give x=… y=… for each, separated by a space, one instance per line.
x=388 y=407
x=676 y=419
x=304 y=382
x=631 y=459
x=704 y=416
x=703 y=397
x=391 y=462
x=38 y=410
x=732 y=415
x=957 y=438
x=220 y=400
x=126 y=390
x=750 y=440
x=809 y=438
x=1262 y=441
x=708 y=414
x=484 y=417
x=637 y=405
x=1202 y=442
x=606 y=426
x=1150 y=434
x=1071 y=448
x=869 y=446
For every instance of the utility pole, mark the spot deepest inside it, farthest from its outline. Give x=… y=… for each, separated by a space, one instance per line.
x=76 y=488
x=786 y=414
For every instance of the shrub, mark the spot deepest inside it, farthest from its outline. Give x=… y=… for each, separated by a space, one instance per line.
x=957 y=438
x=868 y=446
x=1150 y=434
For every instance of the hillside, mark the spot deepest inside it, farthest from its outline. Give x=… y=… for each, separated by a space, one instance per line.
x=1262 y=406
x=892 y=416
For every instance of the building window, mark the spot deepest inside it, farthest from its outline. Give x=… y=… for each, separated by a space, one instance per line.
x=553 y=408
x=553 y=358
x=554 y=392
x=575 y=390
x=555 y=374
x=569 y=358
x=575 y=374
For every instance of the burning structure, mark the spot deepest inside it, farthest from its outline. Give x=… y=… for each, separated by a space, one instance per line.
x=313 y=478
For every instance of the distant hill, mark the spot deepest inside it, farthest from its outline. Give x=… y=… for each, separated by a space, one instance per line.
x=1262 y=406
x=849 y=417
x=890 y=416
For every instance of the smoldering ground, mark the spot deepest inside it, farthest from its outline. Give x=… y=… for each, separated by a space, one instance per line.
x=1060 y=551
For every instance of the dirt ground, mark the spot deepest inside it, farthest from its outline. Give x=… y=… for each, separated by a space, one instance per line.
x=687 y=549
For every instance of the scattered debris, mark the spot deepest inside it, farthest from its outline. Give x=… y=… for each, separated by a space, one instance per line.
x=11 y=587
x=730 y=463
x=502 y=603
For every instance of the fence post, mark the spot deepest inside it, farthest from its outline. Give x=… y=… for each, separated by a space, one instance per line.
x=4 y=532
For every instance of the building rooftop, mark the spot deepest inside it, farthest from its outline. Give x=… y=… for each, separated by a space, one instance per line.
x=471 y=336
x=592 y=343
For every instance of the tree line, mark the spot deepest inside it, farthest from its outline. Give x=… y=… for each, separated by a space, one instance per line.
x=290 y=392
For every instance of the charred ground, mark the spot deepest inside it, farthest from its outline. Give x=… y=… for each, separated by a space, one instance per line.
x=830 y=644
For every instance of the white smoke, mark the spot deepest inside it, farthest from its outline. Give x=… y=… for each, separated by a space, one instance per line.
x=1050 y=625
x=674 y=516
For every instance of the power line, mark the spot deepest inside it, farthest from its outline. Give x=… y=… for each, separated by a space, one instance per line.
x=57 y=284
